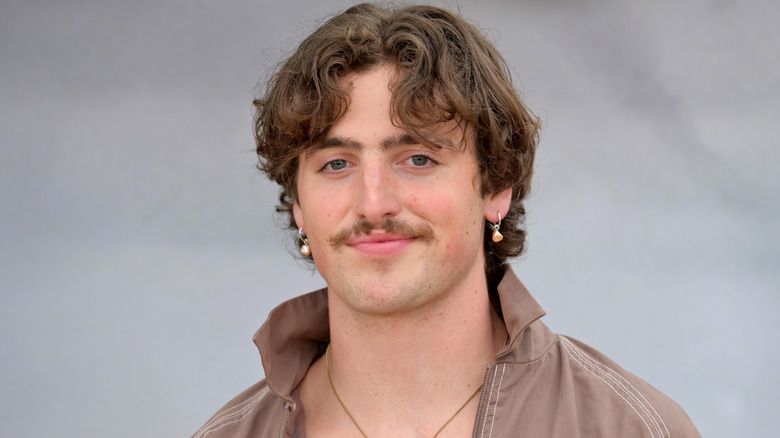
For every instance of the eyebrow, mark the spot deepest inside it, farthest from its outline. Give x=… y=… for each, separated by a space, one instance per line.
x=387 y=143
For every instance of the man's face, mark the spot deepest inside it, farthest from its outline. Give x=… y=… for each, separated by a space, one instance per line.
x=393 y=225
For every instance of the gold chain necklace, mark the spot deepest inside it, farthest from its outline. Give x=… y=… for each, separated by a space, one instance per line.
x=349 y=414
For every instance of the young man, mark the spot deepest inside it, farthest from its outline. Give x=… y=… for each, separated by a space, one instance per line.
x=404 y=155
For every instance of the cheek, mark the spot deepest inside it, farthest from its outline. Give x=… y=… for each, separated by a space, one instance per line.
x=320 y=206
x=457 y=218
x=324 y=213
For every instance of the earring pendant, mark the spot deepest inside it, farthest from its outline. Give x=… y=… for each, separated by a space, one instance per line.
x=305 y=250
x=497 y=236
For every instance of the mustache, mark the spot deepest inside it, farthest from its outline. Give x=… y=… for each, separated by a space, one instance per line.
x=423 y=232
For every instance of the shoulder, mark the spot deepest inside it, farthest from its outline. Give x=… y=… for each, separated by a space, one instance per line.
x=254 y=412
x=604 y=389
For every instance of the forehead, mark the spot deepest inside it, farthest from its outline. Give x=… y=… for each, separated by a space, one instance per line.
x=373 y=109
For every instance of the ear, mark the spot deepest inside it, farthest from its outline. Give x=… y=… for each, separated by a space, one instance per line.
x=498 y=203
x=297 y=214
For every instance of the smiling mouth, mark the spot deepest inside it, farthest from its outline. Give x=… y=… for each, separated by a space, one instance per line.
x=377 y=245
x=390 y=233
x=379 y=237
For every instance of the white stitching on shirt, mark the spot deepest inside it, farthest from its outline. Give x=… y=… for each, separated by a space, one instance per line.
x=579 y=356
x=490 y=396
x=622 y=382
x=498 y=395
x=235 y=410
x=624 y=388
x=235 y=413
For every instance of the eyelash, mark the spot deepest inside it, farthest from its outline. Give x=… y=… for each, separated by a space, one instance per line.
x=430 y=161
x=325 y=167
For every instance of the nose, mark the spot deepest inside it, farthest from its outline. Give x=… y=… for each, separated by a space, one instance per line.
x=376 y=194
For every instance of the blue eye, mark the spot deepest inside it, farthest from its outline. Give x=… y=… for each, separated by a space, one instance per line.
x=420 y=160
x=337 y=164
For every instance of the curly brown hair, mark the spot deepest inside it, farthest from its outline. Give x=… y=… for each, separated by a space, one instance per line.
x=450 y=70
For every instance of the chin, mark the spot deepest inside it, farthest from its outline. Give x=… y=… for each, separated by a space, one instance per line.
x=382 y=295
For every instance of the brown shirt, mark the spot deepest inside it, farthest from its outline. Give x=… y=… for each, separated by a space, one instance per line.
x=540 y=385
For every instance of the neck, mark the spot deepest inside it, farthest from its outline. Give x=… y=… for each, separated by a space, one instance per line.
x=403 y=349
x=420 y=366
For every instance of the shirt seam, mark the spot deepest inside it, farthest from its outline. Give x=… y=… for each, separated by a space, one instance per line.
x=231 y=415
x=620 y=386
x=490 y=397
x=498 y=396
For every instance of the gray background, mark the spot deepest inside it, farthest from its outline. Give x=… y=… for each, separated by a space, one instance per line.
x=138 y=251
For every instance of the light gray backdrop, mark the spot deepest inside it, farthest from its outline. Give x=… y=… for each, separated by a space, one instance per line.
x=138 y=251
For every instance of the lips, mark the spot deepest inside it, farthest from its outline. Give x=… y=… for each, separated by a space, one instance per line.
x=380 y=244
